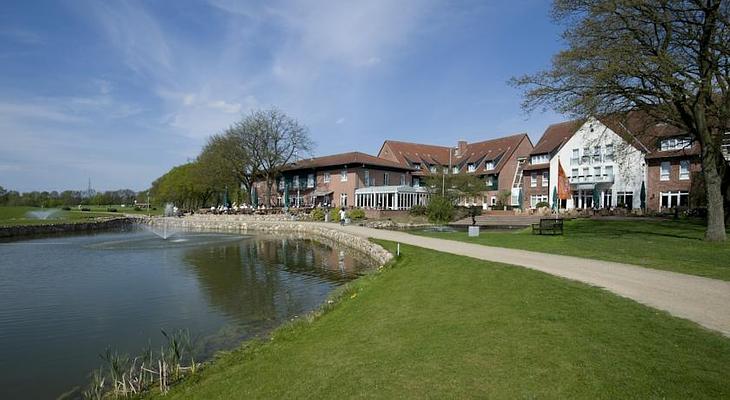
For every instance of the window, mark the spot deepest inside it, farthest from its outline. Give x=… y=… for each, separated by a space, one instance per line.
x=489 y=165
x=416 y=181
x=343 y=199
x=493 y=201
x=586 y=155
x=607 y=198
x=674 y=143
x=597 y=154
x=470 y=167
x=537 y=198
x=609 y=153
x=674 y=199
x=537 y=159
x=386 y=178
x=684 y=170
x=295 y=182
x=533 y=179
x=343 y=175
x=597 y=173
x=574 y=174
x=665 y=169
x=455 y=169
x=402 y=179
x=625 y=199
x=326 y=177
x=545 y=178
x=446 y=170
x=575 y=159
x=367 y=178
x=609 y=172
x=310 y=180
x=586 y=174
x=282 y=183
x=432 y=169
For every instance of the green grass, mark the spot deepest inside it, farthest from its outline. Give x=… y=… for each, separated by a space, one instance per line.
x=660 y=244
x=442 y=326
x=10 y=216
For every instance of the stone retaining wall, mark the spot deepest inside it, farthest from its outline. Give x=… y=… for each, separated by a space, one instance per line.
x=236 y=223
x=30 y=230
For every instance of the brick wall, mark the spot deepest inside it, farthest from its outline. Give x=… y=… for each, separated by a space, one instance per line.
x=655 y=186
x=528 y=191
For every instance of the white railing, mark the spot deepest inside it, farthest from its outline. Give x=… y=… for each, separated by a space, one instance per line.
x=605 y=178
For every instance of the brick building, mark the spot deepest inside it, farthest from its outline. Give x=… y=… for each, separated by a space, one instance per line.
x=497 y=162
x=346 y=180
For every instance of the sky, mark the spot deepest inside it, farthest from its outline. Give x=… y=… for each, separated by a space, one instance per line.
x=120 y=91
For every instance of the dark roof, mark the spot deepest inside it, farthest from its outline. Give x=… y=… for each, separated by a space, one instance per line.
x=533 y=167
x=353 y=158
x=474 y=153
x=645 y=133
x=556 y=135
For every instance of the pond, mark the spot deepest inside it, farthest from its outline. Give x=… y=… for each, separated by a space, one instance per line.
x=64 y=300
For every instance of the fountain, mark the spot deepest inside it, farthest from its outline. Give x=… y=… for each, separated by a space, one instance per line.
x=42 y=214
x=164 y=233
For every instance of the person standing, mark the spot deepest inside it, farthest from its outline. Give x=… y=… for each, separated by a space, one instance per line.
x=343 y=215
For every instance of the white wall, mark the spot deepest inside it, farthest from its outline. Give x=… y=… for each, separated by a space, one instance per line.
x=629 y=167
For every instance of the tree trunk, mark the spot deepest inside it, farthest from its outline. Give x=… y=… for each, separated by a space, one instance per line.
x=715 y=201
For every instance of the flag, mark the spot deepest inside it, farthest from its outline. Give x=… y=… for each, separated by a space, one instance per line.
x=563 y=183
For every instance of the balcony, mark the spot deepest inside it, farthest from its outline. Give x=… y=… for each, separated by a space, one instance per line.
x=605 y=178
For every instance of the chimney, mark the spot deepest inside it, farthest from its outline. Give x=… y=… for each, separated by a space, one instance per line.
x=461 y=147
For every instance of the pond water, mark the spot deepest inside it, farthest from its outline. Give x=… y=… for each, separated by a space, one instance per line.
x=63 y=300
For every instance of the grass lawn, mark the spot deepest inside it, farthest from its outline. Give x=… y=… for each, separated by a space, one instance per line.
x=19 y=216
x=669 y=245
x=442 y=326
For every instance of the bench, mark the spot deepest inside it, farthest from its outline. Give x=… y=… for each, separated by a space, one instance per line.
x=548 y=226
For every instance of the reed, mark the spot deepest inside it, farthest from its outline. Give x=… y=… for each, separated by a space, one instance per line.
x=123 y=376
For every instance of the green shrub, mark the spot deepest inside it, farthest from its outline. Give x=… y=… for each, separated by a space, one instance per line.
x=356 y=214
x=335 y=215
x=440 y=210
x=111 y=209
x=542 y=204
x=137 y=208
x=417 y=210
x=317 y=214
x=67 y=208
x=85 y=209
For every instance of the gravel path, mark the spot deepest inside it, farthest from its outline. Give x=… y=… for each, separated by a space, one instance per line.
x=702 y=300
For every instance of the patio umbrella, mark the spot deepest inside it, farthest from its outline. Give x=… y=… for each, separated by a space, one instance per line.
x=254 y=197
x=596 y=198
x=286 y=194
x=642 y=195
x=556 y=205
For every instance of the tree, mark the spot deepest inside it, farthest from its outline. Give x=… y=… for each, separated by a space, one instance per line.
x=226 y=161
x=274 y=140
x=669 y=59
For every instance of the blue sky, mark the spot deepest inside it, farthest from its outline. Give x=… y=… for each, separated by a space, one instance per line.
x=120 y=91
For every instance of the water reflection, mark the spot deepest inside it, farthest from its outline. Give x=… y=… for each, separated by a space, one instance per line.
x=93 y=291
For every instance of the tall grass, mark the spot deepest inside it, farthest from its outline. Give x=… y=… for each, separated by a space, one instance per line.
x=123 y=376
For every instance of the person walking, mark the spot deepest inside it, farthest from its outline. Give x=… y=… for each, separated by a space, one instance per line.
x=343 y=215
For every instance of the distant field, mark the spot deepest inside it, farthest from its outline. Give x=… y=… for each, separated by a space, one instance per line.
x=23 y=215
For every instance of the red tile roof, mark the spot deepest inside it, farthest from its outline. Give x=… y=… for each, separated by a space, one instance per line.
x=474 y=153
x=354 y=158
x=556 y=135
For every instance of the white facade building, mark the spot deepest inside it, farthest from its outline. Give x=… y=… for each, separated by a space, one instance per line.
x=596 y=158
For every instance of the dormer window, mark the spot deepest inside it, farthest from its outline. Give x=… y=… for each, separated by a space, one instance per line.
x=540 y=159
x=432 y=169
x=489 y=165
x=455 y=169
x=676 y=143
x=470 y=167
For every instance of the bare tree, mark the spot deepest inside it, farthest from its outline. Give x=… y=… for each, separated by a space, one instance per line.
x=274 y=140
x=667 y=58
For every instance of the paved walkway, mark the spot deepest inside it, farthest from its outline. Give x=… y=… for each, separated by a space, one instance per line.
x=702 y=300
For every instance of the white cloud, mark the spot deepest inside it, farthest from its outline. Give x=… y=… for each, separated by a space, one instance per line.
x=37 y=110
